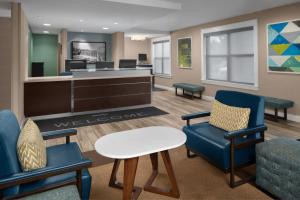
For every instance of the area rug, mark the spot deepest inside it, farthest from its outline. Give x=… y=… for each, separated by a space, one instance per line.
x=197 y=179
x=158 y=89
x=97 y=118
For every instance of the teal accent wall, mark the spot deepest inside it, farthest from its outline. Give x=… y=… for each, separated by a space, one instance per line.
x=44 y=49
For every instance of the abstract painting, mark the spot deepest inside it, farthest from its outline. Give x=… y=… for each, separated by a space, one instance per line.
x=90 y=51
x=184 y=52
x=284 y=47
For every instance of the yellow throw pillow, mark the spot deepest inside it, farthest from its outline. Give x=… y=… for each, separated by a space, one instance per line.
x=229 y=118
x=31 y=147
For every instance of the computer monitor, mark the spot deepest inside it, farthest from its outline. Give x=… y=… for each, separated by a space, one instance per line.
x=37 y=69
x=104 y=64
x=75 y=64
x=142 y=57
x=127 y=63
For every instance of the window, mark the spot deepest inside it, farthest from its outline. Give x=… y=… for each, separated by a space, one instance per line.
x=230 y=55
x=161 y=56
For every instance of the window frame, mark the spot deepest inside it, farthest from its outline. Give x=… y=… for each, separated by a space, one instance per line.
x=161 y=39
x=230 y=28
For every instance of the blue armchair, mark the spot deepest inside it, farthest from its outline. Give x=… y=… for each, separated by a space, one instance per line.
x=228 y=150
x=65 y=163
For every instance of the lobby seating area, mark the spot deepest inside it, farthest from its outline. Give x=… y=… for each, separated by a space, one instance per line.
x=149 y=100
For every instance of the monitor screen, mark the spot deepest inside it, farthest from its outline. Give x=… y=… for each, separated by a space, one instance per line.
x=127 y=63
x=142 y=57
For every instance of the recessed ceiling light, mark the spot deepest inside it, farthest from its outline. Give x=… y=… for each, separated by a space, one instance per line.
x=81 y=20
x=46 y=32
x=105 y=28
x=116 y=23
x=47 y=24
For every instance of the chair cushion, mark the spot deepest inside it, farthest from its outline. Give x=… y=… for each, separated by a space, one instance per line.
x=58 y=155
x=31 y=147
x=229 y=118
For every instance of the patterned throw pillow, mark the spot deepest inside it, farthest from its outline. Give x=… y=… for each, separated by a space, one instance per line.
x=229 y=118
x=31 y=147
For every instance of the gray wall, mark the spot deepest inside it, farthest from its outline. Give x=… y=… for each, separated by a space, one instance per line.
x=91 y=37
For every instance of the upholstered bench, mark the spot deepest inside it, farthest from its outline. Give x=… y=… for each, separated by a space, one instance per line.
x=276 y=104
x=278 y=167
x=63 y=193
x=192 y=88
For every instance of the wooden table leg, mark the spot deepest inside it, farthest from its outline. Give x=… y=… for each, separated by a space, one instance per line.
x=174 y=191
x=113 y=182
x=130 y=167
x=113 y=178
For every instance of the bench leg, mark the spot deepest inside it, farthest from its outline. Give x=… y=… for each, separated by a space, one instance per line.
x=183 y=92
x=200 y=94
x=276 y=114
x=192 y=95
x=285 y=114
x=176 y=92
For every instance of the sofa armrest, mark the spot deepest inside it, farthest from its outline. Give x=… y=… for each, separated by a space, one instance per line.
x=59 y=133
x=188 y=117
x=26 y=177
x=243 y=132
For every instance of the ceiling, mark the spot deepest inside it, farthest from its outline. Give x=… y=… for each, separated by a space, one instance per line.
x=152 y=17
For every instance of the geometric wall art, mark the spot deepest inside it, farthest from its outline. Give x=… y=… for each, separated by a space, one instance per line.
x=284 y=47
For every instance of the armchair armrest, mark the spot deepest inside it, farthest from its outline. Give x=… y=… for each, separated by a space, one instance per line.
x=243 y=132
x=188 y=117
x=60 y=133
x=26 y=177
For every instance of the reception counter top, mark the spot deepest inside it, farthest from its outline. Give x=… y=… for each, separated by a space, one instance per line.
x=86 y=92
x=84 y=74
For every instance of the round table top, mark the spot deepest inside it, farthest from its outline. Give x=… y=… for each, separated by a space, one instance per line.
x=139 y=142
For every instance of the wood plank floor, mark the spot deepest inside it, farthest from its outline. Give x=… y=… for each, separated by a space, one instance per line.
x=176 y=107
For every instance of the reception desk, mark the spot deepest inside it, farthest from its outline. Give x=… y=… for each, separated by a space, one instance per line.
x=86 y=92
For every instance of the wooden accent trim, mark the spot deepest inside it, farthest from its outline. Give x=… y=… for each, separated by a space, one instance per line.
x=110 y=81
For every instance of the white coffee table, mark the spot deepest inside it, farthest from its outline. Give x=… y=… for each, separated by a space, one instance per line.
x=130 y=145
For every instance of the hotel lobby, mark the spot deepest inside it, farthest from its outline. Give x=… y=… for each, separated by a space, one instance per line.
x=150 y=100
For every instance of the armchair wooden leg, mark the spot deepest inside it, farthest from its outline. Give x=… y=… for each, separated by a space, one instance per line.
x=232 y=170
x=79 y=181
x=67 y=139
x=189 y=154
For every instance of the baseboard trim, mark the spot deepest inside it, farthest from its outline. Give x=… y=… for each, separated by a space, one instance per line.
x=291 y=117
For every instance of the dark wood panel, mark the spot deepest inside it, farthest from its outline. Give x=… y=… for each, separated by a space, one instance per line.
x=111 y=90
x=93 y=82
x=111 y=102
x=44 y=98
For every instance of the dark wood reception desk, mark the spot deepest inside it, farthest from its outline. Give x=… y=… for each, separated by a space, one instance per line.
x=72 y=95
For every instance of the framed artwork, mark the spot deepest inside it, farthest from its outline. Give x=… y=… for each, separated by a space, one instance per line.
x=284 y=47
x=90 y=51
x=184 y=52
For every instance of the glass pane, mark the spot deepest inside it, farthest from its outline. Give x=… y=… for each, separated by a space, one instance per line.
x=217 y=68
x=242 y=69
x=167 y=66
x=166 y=49
x=158 y=50
x=158 y=65
x=242 y=42
x=217 y=45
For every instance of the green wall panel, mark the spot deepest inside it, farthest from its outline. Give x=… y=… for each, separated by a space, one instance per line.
x=44 y=49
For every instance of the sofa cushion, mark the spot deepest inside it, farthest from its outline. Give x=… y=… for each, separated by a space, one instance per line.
x=229 y=118
x=60 y=155
x=31 y=147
